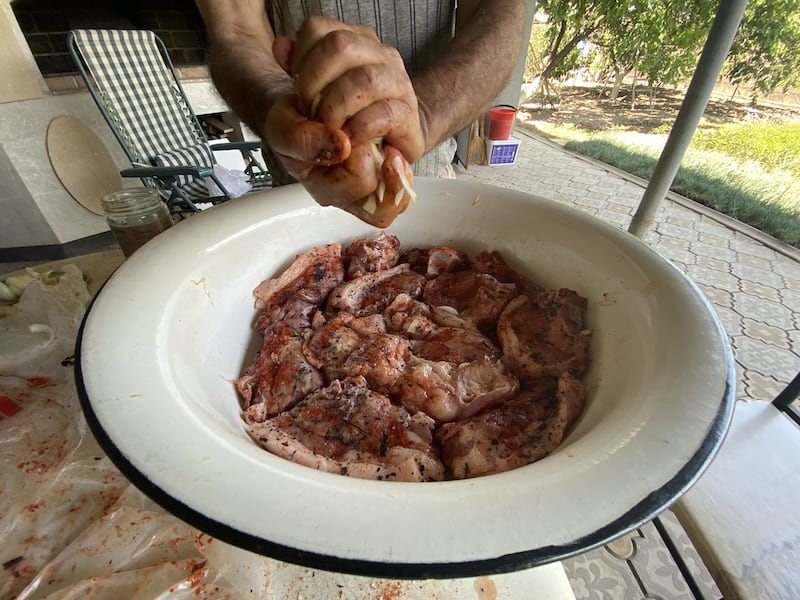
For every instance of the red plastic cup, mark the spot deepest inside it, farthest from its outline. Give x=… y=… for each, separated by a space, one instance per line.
x=501 y=122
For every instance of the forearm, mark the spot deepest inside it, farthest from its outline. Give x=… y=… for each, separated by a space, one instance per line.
x=478 y=63
x=241 y=61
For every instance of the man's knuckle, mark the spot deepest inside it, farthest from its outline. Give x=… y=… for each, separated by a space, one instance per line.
x=393 y=54
x=338 y=41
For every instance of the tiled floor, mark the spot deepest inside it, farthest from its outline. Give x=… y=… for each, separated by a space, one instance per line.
x=640 y=566
x=754 y=284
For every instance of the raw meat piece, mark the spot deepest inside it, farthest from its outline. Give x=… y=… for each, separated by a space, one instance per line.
x=455 y=345
x=348 y=429
x=492 y=263
x=290 y=298
x=514 y=433
x=280 y=375
x=373 y=292
x=478 y=298
x=417 y=320
x=432 y=262
x=351 y=346
x=369 y=255
x=543 y=335
x=447 y=391
x=456 y=341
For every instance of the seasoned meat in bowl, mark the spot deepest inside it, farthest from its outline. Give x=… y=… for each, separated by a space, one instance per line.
x=401 y=366
x=175 y=327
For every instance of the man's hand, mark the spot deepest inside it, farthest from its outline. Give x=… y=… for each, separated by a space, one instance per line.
x=346 y=78
x=351 y=91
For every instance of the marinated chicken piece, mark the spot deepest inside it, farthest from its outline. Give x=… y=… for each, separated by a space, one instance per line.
x=455 y=345
x=417 y=320
x=455 y=342
x=405 y=308
x=514 y=433
x=279 y=377
x=442 y=259
x=544 y=335
x=331 y=341
x=352 y=346
x=492 y=263
x=348 y=429
x=373 y=292
x=417 y=259
x=370 y=255
x=572 y=394
x=434 y=261
x=356 y=374
x=290 y=299
x=448 y=391
x=478 y=298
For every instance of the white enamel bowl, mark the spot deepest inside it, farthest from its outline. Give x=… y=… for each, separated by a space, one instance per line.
x=172 y=329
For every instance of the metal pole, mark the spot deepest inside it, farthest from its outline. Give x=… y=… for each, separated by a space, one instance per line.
x=720 y=37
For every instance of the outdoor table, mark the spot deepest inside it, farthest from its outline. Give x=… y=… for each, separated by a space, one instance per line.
x=71 y=522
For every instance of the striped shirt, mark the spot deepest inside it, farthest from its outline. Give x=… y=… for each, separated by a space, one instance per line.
x=419 y=30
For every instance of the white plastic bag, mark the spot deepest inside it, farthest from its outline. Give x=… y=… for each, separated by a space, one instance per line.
x=56 y=479
x=38 y=332
x=236 y=182
x=135 y=550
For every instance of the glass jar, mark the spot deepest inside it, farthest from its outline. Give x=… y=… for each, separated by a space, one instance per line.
x=135 y=216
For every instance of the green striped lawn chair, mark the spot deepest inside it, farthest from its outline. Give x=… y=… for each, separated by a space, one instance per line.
x=133 y=83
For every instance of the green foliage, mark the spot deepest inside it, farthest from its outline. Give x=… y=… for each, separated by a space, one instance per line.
x=661 y=40
x=773 y=144
x=570 y=22
x=671 y=36
x=764 y=199
x=764 y=52
x=658 y=38
x=537 y=48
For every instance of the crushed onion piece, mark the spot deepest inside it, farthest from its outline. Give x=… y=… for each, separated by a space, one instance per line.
x=377 y=153
x=370 y=205
x=314 y=104
x=407 y=186
x=381 y=191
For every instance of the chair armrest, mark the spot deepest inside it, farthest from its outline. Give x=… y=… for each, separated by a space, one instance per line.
x=166 y=171
x=236 y=146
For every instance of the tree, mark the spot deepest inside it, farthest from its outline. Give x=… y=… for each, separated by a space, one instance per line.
x=659 y=39
x=668 y=37
x=570 y=22
x=764 y=52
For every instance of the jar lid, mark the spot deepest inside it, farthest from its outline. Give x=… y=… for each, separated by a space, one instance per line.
x=131 y=201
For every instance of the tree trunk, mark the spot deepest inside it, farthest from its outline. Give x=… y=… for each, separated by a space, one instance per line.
x=618 y=77
x=558 y=57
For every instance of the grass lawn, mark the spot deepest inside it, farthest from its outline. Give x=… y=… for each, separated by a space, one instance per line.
x=749 y=171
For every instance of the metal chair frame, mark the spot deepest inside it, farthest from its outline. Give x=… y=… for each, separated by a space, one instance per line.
x=165 y=178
